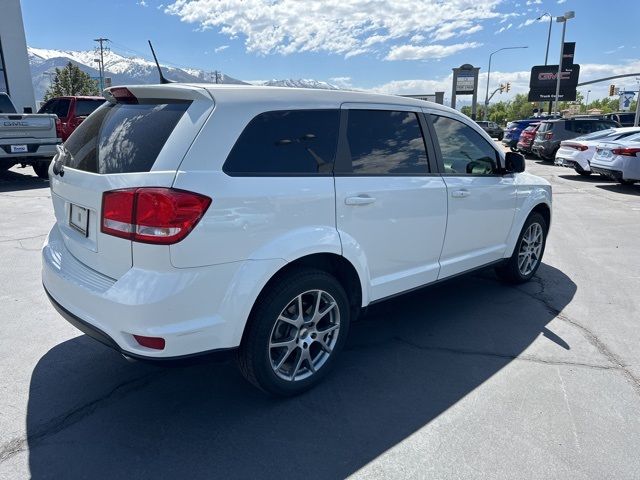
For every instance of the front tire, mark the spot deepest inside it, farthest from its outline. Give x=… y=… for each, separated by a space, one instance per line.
x=527 y=255
x=296 y=329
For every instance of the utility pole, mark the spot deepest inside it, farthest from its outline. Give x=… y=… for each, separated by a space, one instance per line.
x=216 y=76
x=100 y=60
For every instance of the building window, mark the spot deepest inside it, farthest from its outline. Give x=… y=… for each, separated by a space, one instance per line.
x=4 y=84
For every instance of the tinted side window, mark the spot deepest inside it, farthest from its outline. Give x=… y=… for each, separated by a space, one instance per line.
x=286 y=142
x=49 y=107
x=86 y=107
x=386 y=142
x=62 y=107
x=463 y=150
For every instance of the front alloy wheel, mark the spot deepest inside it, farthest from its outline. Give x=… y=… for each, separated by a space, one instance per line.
x=527 y=255
x=530 y=249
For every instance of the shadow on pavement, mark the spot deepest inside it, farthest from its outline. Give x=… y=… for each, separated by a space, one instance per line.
x=619 y=188
x=93 y=415
x=593 y=178
x=12 y=181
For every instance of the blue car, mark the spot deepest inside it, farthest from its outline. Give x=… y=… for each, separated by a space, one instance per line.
x=513 y=131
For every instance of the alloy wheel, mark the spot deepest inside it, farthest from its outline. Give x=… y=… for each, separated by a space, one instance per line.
x=530 y=249
x=304 y=335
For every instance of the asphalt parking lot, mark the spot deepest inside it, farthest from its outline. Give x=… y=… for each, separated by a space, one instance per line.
x=467 y=379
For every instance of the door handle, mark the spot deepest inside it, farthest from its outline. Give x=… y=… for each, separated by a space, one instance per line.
x=460 y=193
x=359 y=200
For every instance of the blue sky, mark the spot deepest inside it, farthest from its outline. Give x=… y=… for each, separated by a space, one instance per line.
x=388 y=45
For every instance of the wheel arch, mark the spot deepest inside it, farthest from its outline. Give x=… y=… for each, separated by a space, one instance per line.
x=337 y=265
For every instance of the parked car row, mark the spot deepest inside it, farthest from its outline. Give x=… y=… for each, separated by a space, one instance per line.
x=613 y=153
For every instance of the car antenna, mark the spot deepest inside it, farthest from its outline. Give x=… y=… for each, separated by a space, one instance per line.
x=163 y=79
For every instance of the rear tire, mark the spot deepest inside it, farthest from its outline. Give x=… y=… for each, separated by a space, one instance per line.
x=42 y=169
x=527 y=255
x=583 y=173
x=286 y=349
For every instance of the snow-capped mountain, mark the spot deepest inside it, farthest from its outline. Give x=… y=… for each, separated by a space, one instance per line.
x=134 y=70
x=122 y=70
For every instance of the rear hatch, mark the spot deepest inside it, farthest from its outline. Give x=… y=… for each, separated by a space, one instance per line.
x=138 y=138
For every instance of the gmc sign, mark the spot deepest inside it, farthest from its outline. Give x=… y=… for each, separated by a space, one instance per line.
x=542 y=83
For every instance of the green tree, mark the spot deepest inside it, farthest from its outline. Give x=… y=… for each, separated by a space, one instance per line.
x=70 y=80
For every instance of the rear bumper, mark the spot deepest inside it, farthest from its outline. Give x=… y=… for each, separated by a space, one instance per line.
x=97 y=334
x=510 y=142
x=44 y=149
x=196 y=310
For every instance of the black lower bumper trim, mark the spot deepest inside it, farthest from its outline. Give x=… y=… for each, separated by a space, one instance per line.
x=100 y=336
x=613 y=174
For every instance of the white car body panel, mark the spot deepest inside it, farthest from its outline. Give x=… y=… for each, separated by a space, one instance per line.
x=198 y=293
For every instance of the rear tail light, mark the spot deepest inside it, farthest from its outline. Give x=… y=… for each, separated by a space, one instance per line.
x=627 y=152
x=548 y=135
x=576 y=146
x=152 y=214
x=58 y=128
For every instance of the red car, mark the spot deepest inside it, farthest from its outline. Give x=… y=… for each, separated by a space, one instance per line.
x=71 y=111
x=527 y=137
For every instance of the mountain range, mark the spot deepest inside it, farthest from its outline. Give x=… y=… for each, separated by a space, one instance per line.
x=130 y=70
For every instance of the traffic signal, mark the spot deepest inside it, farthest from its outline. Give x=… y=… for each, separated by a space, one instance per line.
x=612 y=90
x=508 y=86
x=502 y=87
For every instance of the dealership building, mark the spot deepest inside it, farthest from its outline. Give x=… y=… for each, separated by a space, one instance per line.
x=15 y=74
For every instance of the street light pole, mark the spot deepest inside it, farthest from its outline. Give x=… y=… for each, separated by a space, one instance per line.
x=486 y=96
x=546 y=54
x=563 y=19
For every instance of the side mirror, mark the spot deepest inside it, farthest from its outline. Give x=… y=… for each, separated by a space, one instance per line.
x=513 y=162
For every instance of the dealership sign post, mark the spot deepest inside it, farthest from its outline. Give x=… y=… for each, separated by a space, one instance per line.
x=465 y=82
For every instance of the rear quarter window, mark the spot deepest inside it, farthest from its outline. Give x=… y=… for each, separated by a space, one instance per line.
x=123 y=138
x=286 y=142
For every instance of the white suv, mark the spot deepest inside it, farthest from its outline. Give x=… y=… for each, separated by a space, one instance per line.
x=193 y=219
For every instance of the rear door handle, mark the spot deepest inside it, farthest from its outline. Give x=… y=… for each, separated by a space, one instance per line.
x=460 y=193
x=359 y=200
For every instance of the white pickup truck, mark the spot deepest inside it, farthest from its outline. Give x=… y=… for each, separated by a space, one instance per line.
x=26 y=139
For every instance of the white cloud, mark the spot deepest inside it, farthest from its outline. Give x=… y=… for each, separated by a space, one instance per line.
x=345 y=27
x=342 y=82
x=561 y=2
x=417 y=52
x=220 y=48
x=534 y=2
x=503 y=29
x=528 y=22
x=142 y=3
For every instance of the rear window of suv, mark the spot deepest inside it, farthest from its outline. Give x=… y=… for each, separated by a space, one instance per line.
x=123 y=138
